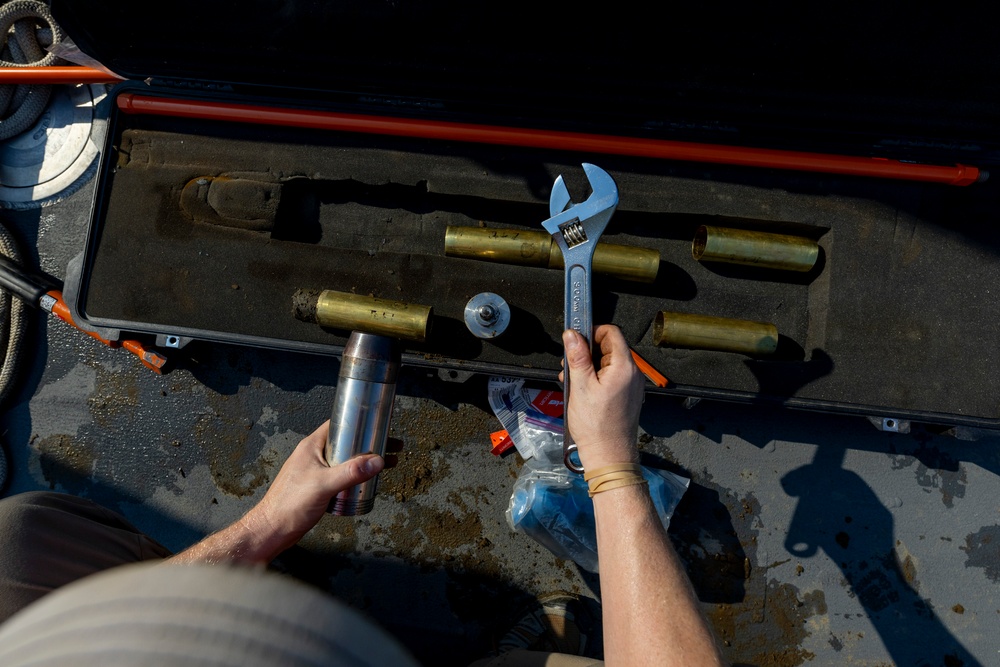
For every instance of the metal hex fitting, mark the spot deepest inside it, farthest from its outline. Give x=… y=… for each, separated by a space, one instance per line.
x=487 y=315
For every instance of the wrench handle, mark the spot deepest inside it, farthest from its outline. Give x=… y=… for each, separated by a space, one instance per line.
x=579 y=317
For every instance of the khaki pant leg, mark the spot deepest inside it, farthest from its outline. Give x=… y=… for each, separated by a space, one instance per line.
x=50 y=539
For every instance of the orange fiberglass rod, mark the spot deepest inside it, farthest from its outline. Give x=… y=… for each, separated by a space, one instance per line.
x=958 y=174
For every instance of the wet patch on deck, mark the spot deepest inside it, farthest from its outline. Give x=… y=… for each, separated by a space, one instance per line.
x=982 y=550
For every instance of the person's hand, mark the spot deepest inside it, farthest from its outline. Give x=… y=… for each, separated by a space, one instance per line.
x=304 y=487
x=295 y=503
x=604 y=405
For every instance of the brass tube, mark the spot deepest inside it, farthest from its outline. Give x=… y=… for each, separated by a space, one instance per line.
x=740 y=246
x=703 y=332
x=353 y=312
x=536 y=248
x=506 y=246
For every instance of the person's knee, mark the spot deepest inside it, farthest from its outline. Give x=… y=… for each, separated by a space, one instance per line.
x=53 y=539
x=48 y=517
x=16 y=510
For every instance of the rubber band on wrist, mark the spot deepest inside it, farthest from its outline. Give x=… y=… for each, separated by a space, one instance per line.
x=613 y=477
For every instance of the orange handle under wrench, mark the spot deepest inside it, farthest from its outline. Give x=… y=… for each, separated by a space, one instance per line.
x=647 y=369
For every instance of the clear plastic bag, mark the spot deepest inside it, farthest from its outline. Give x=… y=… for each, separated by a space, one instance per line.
x=532 y=417
x=550 y=504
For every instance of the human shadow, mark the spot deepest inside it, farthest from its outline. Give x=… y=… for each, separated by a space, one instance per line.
x=702 y=532
x=782 y=376
x=859 y=538
x=445 y=613
x=704 y=537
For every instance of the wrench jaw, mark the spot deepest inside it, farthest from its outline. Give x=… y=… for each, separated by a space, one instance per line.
x=601 y=185
x=576 y=229
x=559 y=200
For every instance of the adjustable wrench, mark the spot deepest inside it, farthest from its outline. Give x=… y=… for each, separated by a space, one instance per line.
x=576 y=229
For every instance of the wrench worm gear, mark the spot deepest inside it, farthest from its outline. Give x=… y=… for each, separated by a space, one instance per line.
x=574 y=234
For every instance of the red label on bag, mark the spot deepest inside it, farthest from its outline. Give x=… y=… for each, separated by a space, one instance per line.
x=549 y=403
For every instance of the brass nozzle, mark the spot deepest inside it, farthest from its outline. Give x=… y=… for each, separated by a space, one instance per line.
x=536 y=248
x=703 y=332
x=353 y=312
x=740 y=246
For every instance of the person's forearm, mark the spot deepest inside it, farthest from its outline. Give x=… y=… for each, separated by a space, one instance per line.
x=246 y=541
x=651 y=614
x=296 y=501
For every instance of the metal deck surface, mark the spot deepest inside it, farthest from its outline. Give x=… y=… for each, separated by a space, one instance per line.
x=811 y=539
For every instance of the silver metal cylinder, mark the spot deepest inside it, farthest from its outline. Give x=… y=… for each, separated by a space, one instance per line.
x=362 y=407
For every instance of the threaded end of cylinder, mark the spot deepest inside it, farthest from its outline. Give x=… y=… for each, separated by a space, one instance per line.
x=340 y=507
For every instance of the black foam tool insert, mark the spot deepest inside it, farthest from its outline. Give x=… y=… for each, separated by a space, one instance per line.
x=898 y=313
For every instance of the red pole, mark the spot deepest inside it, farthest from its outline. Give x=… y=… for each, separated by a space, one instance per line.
x=874 y=167
x=47 y=75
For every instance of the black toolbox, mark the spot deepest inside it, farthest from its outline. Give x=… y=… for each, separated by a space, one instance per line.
x=898 y=318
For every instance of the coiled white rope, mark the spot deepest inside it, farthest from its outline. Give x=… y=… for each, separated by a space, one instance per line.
x=26 y=27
